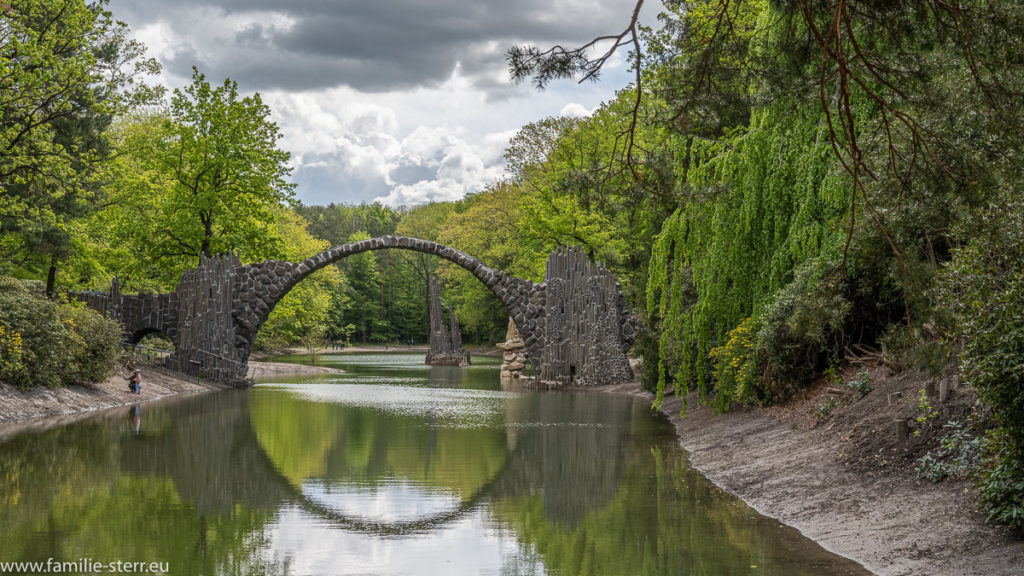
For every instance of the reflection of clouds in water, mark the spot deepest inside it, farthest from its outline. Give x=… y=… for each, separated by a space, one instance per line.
x=365 y=379
x=556 y=425
x=450 y=407
x=385 y=361
x=393 y=500
x=470 y=545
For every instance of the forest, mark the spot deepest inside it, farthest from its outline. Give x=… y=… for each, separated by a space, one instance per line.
x=786 y=184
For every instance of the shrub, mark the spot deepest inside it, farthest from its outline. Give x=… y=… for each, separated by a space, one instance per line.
x=50 y=344
x=43 y=335
x=158 y=342
x=861 y=382
x=94 y=343
x=735 y=367
x=983 y=288
x=12 y=355
x=956 y=457
x=798 y=331
x=647 y=348
x=1002 y=488
x=911 y=347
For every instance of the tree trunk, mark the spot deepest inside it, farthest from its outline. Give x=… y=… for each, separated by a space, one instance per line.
x=51 y=277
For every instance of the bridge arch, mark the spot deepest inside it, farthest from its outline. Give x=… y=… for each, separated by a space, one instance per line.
x=262 y=286
x=136 y=336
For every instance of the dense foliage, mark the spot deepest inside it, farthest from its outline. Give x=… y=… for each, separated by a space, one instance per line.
x=984 y=288
x=66 y=70
x=763 y=201
x=45 y=343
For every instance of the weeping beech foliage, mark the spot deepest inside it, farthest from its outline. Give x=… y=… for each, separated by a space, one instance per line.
x=759 y=204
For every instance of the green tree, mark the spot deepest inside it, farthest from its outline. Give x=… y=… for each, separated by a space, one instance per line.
x=425 y=222
x=66 y=69
x=303 y=313
x=220 y=151
x=363 y=292
x=336 y=222
x=582 y=190
x=486 y=226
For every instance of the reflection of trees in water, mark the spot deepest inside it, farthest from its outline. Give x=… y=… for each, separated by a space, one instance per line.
x=651 y=514
x=479 y=376
x=574 y=475
x=367 y=447
x=40 y=470
x=97 y=489
x=211 y=455
x=573 y=448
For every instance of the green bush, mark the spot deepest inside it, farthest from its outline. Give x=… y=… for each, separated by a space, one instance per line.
x=912 y=348
x=94 y=344
x=956 y=457
x=983 y=288
x=861 y=382
x=43 y=355
x=43 y=343
x=798 y=332
x=1002 y=488
x=158 y=342
x=646 y=347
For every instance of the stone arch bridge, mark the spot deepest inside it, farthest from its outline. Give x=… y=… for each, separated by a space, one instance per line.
x=576 y=325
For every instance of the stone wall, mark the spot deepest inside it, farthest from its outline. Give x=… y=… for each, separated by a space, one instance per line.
x=139 y=314
x=206 y=344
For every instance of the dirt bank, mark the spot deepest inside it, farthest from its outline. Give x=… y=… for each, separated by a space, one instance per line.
x=19 y=408
x=46 y=407
x=842 y=480
x=263 y=368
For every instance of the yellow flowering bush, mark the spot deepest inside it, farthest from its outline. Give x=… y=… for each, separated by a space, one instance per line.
x=735 y=366
x=11 y=352
x=50 y=344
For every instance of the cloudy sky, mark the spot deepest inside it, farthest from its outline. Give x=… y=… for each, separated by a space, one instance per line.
x=401 y=101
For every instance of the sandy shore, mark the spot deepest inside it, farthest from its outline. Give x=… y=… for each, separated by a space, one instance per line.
x=47 y=407
x=263 y=367
x=886 y=519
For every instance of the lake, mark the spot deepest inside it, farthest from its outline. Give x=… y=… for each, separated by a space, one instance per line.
x=391 y=468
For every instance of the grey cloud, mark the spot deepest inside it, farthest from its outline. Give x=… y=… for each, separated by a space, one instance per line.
x=334 y=181
x=371 y=46
x=411 y=173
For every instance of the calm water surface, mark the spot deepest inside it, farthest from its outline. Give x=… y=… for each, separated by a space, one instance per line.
x=391 y=468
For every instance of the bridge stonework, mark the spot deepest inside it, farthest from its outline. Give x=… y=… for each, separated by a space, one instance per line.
x=217 y=309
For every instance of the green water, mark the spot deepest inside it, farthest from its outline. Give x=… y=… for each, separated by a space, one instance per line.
x=390 y=468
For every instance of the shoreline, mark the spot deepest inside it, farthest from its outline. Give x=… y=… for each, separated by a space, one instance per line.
x=41 y=408
x=364 y=348
x=887 y=521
